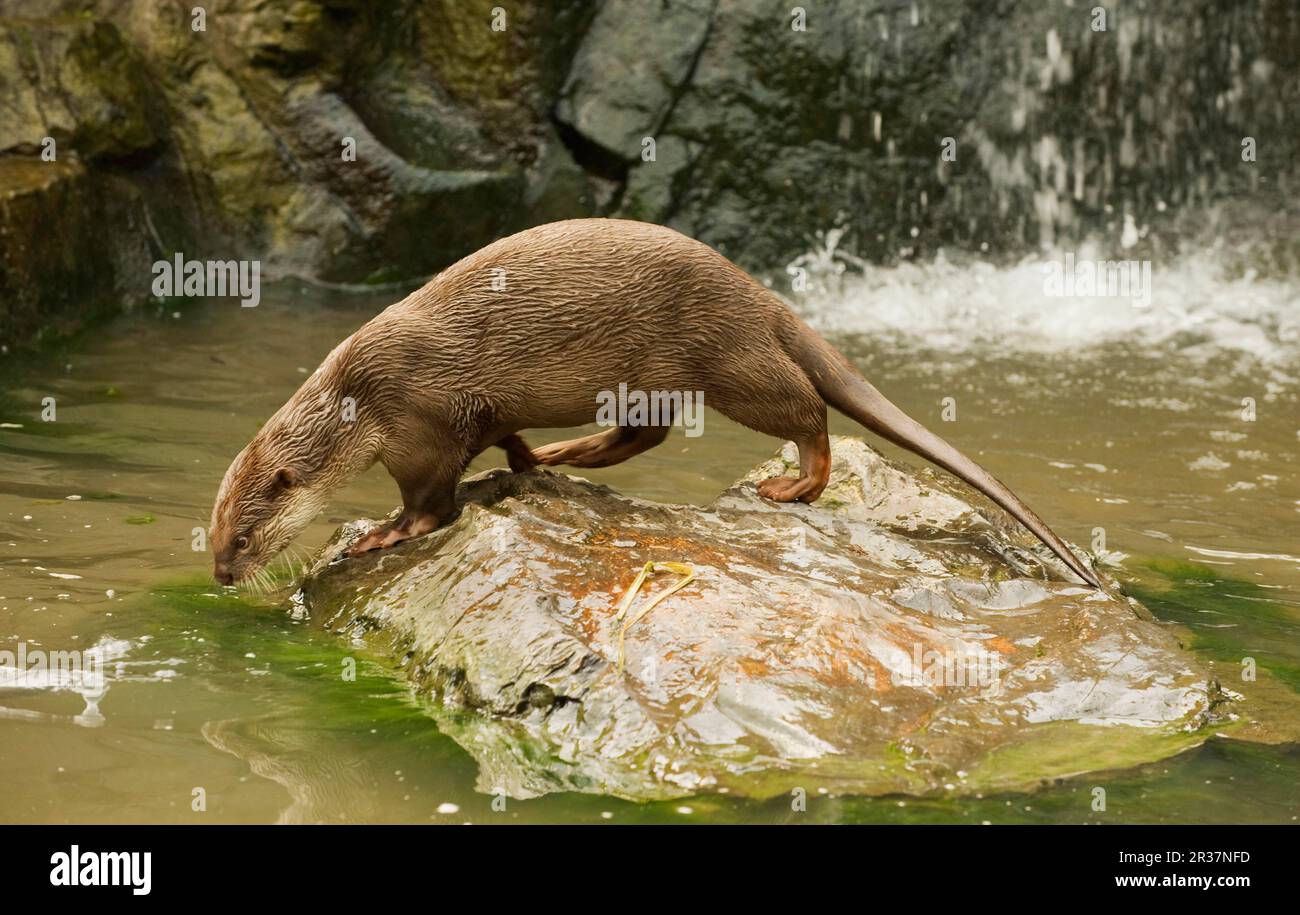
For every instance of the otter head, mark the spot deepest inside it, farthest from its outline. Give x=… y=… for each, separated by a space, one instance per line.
x=264 y=502
x=285 y=476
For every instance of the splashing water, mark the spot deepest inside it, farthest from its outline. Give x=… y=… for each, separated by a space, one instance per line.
x=944 y=306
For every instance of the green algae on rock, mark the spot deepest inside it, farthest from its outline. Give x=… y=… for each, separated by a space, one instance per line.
x=895 y=639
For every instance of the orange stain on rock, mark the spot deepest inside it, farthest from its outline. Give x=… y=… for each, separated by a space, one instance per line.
x=1002 y=645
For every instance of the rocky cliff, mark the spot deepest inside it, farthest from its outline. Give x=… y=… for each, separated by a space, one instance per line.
x=133 y=129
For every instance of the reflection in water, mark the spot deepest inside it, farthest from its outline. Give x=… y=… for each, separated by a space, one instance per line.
x=1123 y=427
x=324 y=785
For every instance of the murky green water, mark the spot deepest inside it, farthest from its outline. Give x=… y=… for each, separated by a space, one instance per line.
x=1099 y=418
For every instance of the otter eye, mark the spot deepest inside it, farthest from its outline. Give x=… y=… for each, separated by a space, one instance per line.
x=241 y=543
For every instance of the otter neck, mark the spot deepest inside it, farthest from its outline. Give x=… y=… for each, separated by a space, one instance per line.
x=343 y=441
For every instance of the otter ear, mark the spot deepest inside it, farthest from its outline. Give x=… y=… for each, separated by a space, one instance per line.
x=287 y=478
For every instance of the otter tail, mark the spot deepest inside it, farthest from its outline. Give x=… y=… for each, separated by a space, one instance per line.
x=844 y=388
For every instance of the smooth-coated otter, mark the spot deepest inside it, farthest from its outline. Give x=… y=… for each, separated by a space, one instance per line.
x=525 y=333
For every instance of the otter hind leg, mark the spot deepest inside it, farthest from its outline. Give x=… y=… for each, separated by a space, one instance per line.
x=772 y=395
x=603 y=449
x=814 y=471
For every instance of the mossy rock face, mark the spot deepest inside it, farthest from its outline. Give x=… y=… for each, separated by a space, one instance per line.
x=81 y=138
x=76 y=111
x=79 y=82
x=56 y=271
x=235 y=141
x=770 y=128
x=896 y=640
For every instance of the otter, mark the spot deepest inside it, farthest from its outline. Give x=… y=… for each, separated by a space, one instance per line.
x=525 y=333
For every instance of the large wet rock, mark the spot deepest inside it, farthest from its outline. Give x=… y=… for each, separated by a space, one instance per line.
x=892 y=637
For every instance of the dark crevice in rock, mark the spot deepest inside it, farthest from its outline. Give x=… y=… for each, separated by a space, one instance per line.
x=539 y=696
x=131 y=161
x=682 y=182
x=688 y=78
x=593 y=158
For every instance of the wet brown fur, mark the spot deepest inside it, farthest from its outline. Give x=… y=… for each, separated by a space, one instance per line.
x=458 y=367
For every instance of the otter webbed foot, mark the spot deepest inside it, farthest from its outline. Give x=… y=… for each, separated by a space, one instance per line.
x=404 y=527
x=815 y=472
x=789 y=489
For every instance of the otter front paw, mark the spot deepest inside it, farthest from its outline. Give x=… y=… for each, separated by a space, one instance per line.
x=379 y=539
x=393 y=533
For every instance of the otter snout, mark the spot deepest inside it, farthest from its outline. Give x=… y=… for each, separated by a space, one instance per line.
x=221 y=572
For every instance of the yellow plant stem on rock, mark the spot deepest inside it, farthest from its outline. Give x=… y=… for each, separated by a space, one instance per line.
x=679 y=568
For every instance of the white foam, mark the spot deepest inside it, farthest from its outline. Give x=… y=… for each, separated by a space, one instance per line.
x=102 y=665
x=944 y=306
